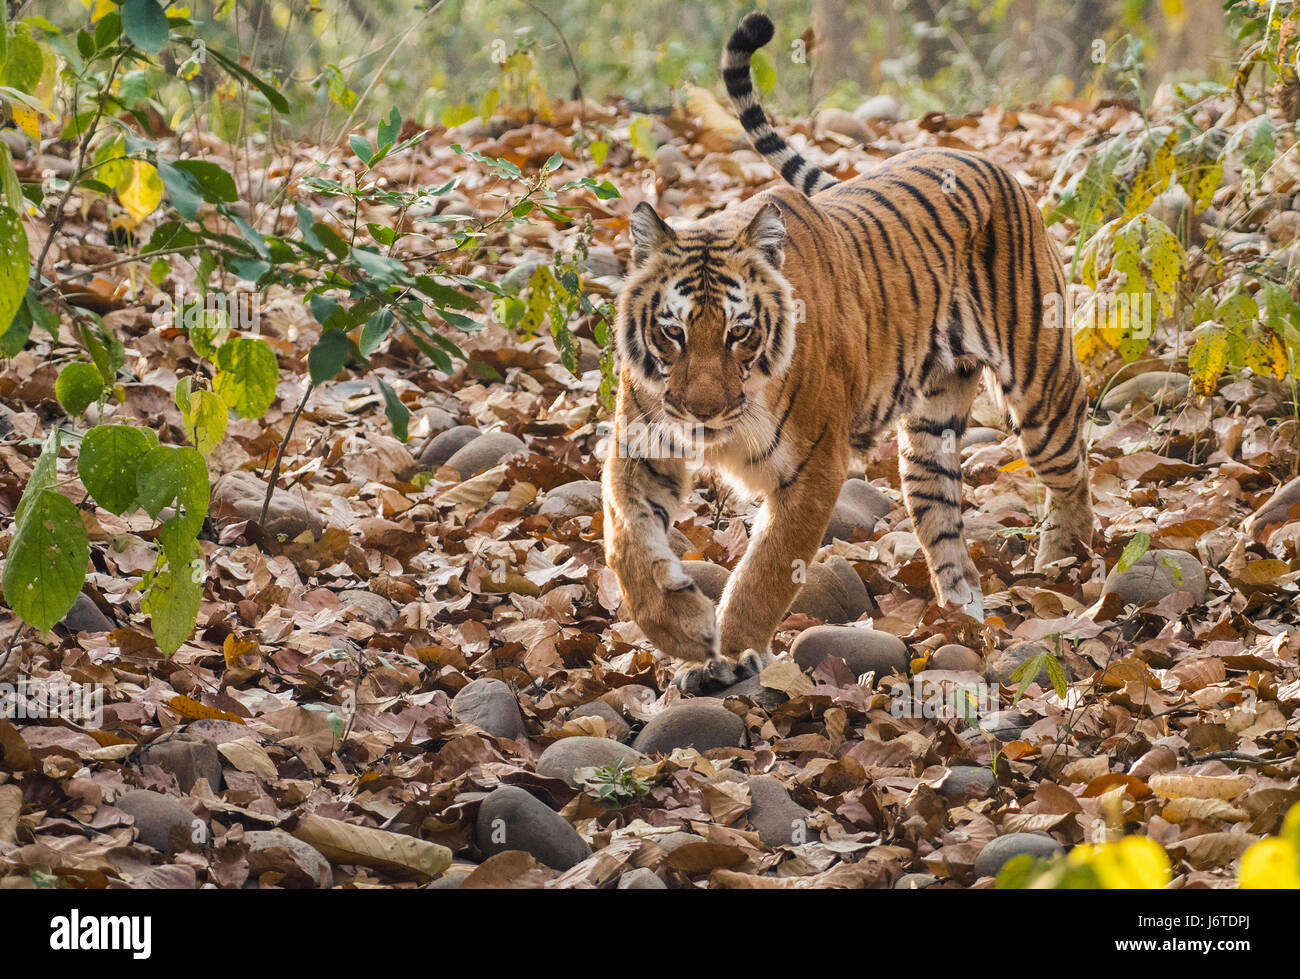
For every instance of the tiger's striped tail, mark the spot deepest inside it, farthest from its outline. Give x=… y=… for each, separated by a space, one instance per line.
x=756 y=30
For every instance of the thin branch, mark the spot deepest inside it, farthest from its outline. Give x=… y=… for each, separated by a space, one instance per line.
x=279 y=456
x=56 y=223
x=577 y=77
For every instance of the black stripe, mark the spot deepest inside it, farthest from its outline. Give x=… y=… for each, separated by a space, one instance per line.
x=794 y=476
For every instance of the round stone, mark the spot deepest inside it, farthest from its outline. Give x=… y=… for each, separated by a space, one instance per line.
x=833 y=592
x=858 y=507
x=563 y=759
x=966 y=781
x=301 y=863
x=574 y=499
x=615 y=726
x=160 y=821
x=954 y=657
x=998 y=851
x=85 y=616
x=188 y=757
x=288 y=515
x=490 y=704
x=1275 y=511
x=484 y=452
x=1005 y=725
x=981 y=436
x=1156 y=575
x=641 y=879
x=1002 y=664
x=375 y=609
x=880 y=107
x=444 y=445
x=700 y=724
x=511 y=819
x=915 y=882
x=864 y=650
x=711 y=578
x=778 y=819
x=447 y=882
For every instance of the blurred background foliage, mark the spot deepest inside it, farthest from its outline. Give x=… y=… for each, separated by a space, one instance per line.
x=447 y=60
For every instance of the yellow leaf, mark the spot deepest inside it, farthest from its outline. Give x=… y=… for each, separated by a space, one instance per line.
x=236 y=649
x=1208 y=359
x=1271 y=864
x=102 y=7
x=1266 y=356
x=27 y=121
x=192 y=709
x=1013 y=466
x=1132 y=863
x=141 y=191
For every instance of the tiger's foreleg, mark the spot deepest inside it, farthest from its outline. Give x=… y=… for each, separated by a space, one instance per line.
x=787 y=534
x=640 y=496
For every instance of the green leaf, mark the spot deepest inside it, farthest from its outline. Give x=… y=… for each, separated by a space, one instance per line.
x=331 y=352
x=79 y=386
x=174 y=474
x=390 y=128
x=398 y=414
x=9 y=185
x=278 y=101
x=204 y=417
x=1133 y=551
x=1026 y=672
x=109 y=464
x=13 y=265
x=1056 y=673
x=46 y=564
x=764 y=72
x=145 y=24
x=105 y=349
x=191 y=182
x=246 y=376
x=44 y=476
x=172 y=602
x=375 y=331
x=361 y=147
x=15 y=338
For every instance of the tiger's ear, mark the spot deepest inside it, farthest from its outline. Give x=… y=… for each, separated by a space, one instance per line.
x=649 y=233
x=766 y=232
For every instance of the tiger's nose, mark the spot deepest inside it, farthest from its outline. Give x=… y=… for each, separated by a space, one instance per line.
x=705 y=406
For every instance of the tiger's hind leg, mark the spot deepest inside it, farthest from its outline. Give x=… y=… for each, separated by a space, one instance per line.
x=1049 y=416
x=929 y=462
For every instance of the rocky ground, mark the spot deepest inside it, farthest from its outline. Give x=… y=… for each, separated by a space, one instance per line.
x=414 y=673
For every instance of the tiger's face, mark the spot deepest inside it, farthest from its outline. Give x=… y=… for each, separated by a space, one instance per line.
x=706 y=317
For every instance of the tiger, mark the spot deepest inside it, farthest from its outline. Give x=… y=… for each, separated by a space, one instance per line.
x=774 y=339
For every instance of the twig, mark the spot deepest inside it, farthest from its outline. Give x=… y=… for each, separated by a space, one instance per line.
x=1241 y=758
x=9 y=647
x=56 y=223
x=577 y=77
x=279 y=456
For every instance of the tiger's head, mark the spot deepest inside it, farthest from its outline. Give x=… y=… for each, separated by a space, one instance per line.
x=706 y=317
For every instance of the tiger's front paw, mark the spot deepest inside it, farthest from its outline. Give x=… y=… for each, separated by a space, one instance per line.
x=680 y=620
x=719 y=673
